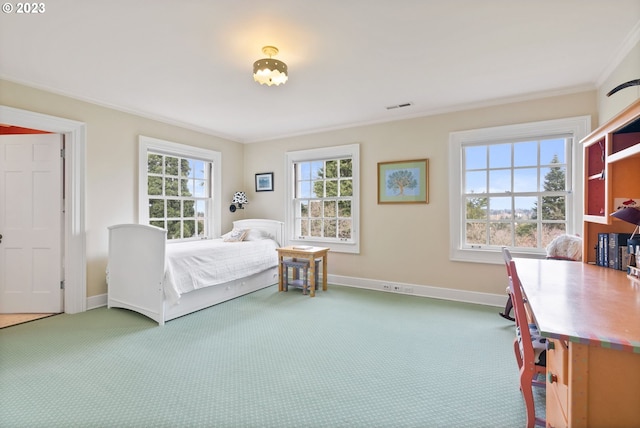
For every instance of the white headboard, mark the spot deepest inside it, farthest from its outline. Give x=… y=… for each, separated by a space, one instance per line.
x=274 y=228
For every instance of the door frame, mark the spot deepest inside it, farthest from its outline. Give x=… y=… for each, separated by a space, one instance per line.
x=74 y=239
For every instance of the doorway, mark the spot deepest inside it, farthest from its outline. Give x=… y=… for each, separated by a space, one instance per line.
x=74 y=234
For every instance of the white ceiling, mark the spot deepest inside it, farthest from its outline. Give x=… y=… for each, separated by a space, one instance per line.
x=189 y=62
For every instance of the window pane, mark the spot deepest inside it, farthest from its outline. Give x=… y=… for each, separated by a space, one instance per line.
x=553 y=208
x=526 y=235
x=550 y=231
x=525 y=180
x=156 y=208
x=185 y=187
x=552 y=149
x=303 y=208
x=200 y=189
x=554 y=179
x=197 y=169
x=525 y=154
x=188 y=209
x=154 y=186
x=330 y=208
x=154 y=163
x=346 y=168
x=477 y=208
x=476 y=182
x=173 y=229
x=500 y=208
x=171 y=165
x=346 y=187
x=304 y=227
x=344 y=208
x=188 y=229
x=344 y=229
x=304 y=189
x=475 y=157
x=318 y=188
x=500 y=234
x=317 y=169
x=331 y=187
x=476 y=233
x=171 y=186
x=331 y=169
x=173 y=208
x=330 y=228
x=315 y=209
x=316 y=227
x=500 y=181
x=201 y=208
x=304 y=171
x=185 y=168
x=499 y=155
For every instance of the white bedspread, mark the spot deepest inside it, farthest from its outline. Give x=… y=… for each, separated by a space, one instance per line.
x=193 y=265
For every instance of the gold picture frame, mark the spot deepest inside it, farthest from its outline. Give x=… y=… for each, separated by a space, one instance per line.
x=403 y=182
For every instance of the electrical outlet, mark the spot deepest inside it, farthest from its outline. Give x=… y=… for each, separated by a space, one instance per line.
x=408 y=290
x=397 y=288
x=386 y=287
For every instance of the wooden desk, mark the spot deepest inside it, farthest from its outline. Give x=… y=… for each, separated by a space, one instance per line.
x=310 y=254
x=592 y=316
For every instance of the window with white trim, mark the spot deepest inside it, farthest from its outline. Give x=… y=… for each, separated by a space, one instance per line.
x=513 y=186
x=178 y=189
x=323 y=197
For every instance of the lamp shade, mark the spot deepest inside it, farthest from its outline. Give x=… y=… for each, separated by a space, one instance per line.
x=269 y=71
x=628 y=214
x=240 y=198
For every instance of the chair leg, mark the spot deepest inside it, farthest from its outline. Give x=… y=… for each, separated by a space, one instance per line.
x=527 y=395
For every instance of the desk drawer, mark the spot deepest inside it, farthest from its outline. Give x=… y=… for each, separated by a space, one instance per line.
x=558 y=376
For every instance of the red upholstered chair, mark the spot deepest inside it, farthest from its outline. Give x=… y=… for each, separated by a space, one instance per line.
x=529 y=346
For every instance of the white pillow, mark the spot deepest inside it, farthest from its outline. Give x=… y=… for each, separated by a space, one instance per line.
x=256 y=235
x=236 y=235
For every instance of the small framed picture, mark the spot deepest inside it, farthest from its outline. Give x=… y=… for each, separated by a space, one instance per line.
x=264 y=182
x=403 y=182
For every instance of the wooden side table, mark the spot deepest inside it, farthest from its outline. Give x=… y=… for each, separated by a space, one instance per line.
x=308 y=253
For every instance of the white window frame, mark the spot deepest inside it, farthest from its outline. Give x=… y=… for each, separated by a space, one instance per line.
x=352 y=151
x=154 y=145
x=577 y=127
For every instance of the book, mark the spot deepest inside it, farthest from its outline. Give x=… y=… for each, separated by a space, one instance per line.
x=616 y=241
x=302 y=247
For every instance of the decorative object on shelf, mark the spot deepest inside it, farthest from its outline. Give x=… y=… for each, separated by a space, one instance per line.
x=239 y=199
x=635 y=82
x=268 y=71
x=264 y=182
x=403 y=182
x=630 y=214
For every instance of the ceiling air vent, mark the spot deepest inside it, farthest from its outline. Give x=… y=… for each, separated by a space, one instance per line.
x=399 y=106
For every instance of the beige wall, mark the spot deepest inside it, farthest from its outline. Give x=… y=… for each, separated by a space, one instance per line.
x=406 y=243
x=112 y=164
x=628 y=69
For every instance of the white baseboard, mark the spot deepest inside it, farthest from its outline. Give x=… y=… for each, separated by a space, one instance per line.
x=98 y=301
x=487 y=299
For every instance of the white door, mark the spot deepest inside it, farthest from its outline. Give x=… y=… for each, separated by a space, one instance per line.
x=30 y=223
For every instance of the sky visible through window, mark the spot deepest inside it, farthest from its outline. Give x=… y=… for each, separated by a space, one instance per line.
x=492 y=169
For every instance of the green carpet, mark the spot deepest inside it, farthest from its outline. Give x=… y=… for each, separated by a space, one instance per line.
x=347 y=358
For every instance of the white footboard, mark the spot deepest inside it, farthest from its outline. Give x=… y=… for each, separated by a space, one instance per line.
x=135 y=272
x=136 y=269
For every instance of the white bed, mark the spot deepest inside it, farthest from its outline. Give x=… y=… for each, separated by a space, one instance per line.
x=165 y=280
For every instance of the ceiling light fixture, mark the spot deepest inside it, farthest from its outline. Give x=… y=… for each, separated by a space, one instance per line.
x=270 y=71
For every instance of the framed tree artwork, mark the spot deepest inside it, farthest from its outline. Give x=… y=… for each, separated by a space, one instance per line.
x=403 y=182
